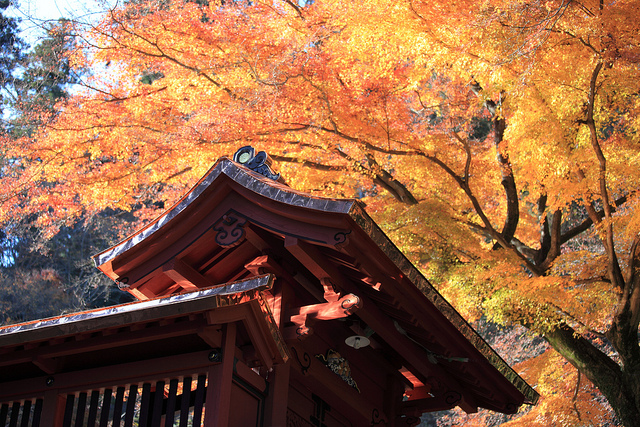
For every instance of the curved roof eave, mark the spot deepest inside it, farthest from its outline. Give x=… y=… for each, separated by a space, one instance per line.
x=241 y=175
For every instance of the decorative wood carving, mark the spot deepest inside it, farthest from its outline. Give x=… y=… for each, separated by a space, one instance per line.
x=307 y=360
x=295 y=420
x=409 y=421
x=336 y=307
x=339 y=366
x=376 y=419
x=230 y=229
x=341 y=237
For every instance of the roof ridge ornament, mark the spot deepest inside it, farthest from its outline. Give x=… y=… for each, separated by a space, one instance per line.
x=260 y=162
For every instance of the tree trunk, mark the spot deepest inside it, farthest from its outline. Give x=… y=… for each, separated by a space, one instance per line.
x=620 y=386
x=508 y=182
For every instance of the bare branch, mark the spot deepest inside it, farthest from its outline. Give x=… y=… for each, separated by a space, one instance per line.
x=614 y=265
x=296 y=8
x=308 y=163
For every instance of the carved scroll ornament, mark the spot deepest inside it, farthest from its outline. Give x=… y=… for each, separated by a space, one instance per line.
x=230 y=230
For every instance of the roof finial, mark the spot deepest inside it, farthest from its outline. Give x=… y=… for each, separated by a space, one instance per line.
x=260 y=162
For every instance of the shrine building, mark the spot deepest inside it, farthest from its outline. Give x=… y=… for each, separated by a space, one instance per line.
x=258 y=305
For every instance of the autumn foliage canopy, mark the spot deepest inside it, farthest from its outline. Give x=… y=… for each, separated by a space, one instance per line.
x=497 y=142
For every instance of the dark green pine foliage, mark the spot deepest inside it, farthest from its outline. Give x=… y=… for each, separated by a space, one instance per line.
x=11 y=56
x=45 y=79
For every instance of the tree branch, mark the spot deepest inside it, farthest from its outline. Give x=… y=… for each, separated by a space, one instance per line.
x=632 y=283
x=554 y=241
x=588 y=222
x=613 y=264
x=383 y=178
x=601 y=370
x=467 y=150
x=308 y=163
x=545 y=235
x=162 y=54
x=508 y=181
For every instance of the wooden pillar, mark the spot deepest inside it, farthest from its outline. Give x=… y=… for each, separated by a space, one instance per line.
x=278 y=399
x=392 y=400
x=53 y=406
x=220 y=380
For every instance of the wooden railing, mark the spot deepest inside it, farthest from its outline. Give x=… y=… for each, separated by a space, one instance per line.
x=211 y=388
x=166 y=402
x=21 y=413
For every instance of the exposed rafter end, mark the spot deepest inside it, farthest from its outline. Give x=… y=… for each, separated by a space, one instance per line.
x=188 y=278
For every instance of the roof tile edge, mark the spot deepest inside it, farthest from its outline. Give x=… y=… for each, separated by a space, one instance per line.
x=243 y=176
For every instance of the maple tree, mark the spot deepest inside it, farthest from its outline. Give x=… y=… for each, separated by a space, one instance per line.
x=496 y=142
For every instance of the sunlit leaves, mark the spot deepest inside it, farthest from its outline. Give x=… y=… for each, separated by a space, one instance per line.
x=340 y=93
x=557 y=379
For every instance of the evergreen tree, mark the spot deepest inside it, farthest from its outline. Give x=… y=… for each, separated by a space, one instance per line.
x=11 y=55
x=44 y=81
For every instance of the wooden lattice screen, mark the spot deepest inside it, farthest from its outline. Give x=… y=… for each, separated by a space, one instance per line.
x=167 y=402
x=26 y=413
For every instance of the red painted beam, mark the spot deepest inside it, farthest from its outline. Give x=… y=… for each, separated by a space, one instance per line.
x=52 y=409
x=278 y=398
x=185 y=275
x=439 y=325
x=41 y=356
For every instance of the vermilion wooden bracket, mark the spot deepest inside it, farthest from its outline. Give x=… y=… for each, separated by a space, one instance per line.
x=336 y=307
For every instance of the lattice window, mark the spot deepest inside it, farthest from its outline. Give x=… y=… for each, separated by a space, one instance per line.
x=173 y=402
x=25 y=413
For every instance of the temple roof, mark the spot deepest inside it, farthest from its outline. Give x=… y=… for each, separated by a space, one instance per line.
x=226 y=174
x=234 y=221
x=137 y=332
x=139 y=311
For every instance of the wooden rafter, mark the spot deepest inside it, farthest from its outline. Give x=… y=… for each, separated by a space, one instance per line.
x=383 y=326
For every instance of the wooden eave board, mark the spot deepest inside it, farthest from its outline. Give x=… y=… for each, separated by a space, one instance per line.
x=118 y=315
x=139 y=330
